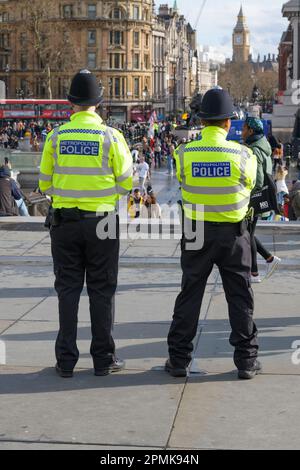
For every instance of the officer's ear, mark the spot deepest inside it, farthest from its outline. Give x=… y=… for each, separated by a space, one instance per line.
x=227 y=125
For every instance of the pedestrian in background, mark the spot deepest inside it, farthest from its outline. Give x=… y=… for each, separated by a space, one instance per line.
x=282 y=189
x=143 y=174
x=254 y=138
x=150 y=208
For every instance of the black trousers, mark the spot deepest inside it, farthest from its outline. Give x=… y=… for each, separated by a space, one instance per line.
x=257 y=247
x=231 y=252
x=78 y=253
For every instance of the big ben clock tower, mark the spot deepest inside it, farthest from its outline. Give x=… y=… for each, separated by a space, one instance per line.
x=241 y=40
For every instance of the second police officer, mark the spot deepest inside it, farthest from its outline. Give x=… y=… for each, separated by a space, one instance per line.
x=217 y=177
x=86 y=167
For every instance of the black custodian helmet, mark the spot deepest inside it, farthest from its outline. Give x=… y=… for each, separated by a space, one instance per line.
x=216 y=105
x=85 y=89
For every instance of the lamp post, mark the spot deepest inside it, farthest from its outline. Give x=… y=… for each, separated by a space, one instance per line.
x=184 y=69
x=7 y=70
x=174 y=89
x=110 y=92
x=145 y=101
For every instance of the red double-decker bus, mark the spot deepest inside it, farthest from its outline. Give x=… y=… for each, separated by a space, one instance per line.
x=30 y=109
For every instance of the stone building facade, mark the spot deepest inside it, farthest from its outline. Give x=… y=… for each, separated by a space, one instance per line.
x=143 y=59
x=112 y=39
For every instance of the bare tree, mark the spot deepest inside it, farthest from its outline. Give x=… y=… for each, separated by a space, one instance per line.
x=267 y=83
x=238 y=80
x=51 y=40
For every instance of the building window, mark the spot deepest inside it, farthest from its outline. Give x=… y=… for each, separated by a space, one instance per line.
x=136 y=61
x=136 y=39
x=23 y=38
x=91 y=60
x=147 y=40
x=3 y=62
x=117 y=86
x=116 y=38
x=92 y=10
x=116 y=14
x=3 y=17
x=68 y=11
x=146 y=15
x=146 y=62
x=23 y=62
x=137 y=87
x=136 y=13
x=4 y=40
x=40 y=89
x=24 y=86
x=116 y=61
x=91 y=37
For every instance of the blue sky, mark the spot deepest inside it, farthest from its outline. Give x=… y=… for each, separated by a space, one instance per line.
x=219 y=18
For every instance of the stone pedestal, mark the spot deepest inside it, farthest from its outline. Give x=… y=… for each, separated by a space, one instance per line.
x=28 y=179
x=284 y=114
x=24 y=144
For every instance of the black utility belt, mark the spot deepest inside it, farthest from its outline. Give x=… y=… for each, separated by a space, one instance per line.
x=75 y=215
x=78 y=214
x=222 y=224
x=240 y=227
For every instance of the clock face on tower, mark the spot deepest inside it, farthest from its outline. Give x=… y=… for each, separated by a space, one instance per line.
x=238 y=39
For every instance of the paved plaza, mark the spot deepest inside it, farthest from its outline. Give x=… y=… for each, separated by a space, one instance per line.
x=143 y=407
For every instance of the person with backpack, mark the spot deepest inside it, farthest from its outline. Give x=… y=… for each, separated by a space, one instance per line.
x=295 y=198
x=254 y=138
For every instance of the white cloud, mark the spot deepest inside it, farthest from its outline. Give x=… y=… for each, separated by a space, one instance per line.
x=219 y=18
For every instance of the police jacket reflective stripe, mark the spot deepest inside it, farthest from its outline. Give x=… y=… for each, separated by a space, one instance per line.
x=86 y=164
x=216 y=177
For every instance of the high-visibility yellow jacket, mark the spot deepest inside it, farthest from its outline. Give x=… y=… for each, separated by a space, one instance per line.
x=216 y=176
x=86 y=164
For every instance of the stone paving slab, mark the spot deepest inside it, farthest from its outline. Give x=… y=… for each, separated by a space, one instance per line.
x=40 y=446
x=131 y=307
x=214 y=354
x=136 y=409
x=13 y=309
x=220 y=412
x=280 y=284
x=150 y=251
x=273 y=306
x=31 y=343
x=4 y=325
x=143 y=406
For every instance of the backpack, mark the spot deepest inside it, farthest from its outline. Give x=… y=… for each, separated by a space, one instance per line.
x=296 y=201
x=265 y=200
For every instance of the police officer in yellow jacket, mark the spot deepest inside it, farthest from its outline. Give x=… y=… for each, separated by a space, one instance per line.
x=217 y=177
x=86 y=167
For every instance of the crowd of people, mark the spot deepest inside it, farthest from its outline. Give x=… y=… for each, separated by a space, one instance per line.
x=287 y=187
x=13 y=132
x=155 y=151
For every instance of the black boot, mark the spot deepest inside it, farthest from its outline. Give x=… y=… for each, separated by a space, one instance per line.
x=65 y=374
x=175 y=371
x=251 y=373
x=116 y=366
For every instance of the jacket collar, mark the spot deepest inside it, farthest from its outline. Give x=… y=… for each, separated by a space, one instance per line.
x=214 y=131
x=85 y=115
x=254 y=138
